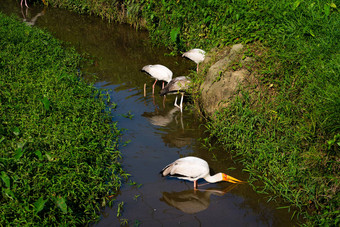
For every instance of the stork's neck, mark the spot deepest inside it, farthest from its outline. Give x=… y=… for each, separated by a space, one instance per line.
x=213 y=179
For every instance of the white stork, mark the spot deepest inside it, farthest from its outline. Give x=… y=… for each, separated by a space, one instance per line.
x=158 y=72
x=196 y=55
x=175 y=86
x=193 y=168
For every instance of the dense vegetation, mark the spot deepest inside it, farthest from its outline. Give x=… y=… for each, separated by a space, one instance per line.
x=286 y=126
x=58 y=145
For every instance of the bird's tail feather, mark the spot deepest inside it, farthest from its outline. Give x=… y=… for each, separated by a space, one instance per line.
x=166 y=171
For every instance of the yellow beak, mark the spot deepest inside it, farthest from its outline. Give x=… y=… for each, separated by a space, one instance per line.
x=231 y=179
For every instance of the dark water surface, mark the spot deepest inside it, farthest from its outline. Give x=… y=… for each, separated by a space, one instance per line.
x=159 y=133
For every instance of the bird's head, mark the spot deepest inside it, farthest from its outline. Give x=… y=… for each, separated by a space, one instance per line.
x=146 y=68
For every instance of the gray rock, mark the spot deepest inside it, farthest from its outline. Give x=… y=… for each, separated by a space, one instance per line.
x=222 y=82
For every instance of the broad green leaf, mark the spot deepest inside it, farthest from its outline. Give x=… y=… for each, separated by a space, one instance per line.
x=9 y=193
x=39 y=204
x=38 y=153
x=18 y=153
x=46 y=103
x=6 y=179
x=61 y=203
x=327 y=9
x=296 y=4
x=174 y=33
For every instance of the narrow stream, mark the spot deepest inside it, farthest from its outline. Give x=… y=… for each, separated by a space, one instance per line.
x=158 y=132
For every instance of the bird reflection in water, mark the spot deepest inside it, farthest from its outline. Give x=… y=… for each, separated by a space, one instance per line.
x=163 y=119
x=33 y=20
x=193 y=201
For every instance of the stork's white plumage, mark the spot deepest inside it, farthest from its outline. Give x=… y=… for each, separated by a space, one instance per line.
x=158 y=72
x=196 y=55
x=193 y=168
x=175 y=86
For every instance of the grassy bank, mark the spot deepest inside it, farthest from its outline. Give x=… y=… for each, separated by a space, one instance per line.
x=58 y=145
x=285 y=127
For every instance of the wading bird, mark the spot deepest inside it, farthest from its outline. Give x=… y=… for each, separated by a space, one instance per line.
x=175 y=86
x=193 y=168
x=158 y=72
x=196 y=55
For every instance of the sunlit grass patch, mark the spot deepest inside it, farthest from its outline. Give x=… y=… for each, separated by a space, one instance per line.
x=278 y=128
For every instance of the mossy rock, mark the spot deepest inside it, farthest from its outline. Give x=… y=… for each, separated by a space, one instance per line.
x=226 y=72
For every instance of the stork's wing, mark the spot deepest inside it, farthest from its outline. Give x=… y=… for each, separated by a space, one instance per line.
x=185 y=168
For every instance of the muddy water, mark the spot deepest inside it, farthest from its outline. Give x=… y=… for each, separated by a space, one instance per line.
x=158 y=132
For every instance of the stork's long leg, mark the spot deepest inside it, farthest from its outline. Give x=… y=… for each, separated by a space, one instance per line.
x=195 y=184
x=175 y=104
x=181 y=105
x=153 y=87
x=25 y=3
x=164 y=101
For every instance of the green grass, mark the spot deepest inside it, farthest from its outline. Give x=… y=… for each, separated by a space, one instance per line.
x=59 y=161
x=285 y=127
